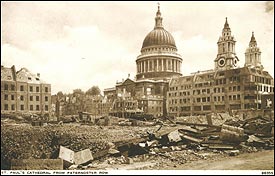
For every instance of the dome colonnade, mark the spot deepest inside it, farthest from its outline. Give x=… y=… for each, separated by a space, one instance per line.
x=159 y=58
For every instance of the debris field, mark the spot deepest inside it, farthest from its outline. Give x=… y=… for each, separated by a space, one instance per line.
x=133 y=144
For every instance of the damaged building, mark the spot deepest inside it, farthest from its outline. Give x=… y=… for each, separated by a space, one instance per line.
x=24 y=92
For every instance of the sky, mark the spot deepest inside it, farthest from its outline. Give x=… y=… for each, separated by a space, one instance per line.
x=81 y=44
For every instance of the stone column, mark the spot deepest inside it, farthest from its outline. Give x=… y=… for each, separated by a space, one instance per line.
x=179 y=64
x=157 y=65
x=176 y=66
x=145 y=66
x=162 y=66
x=173 y=65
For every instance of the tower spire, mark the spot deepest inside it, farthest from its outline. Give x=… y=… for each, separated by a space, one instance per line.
x=226 y=31
x=226 y=25
x=253 y=41
x=253 y=54
x=158 y=18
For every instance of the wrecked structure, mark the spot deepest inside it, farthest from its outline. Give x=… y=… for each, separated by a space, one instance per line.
x=69 y=146
x=24 y=92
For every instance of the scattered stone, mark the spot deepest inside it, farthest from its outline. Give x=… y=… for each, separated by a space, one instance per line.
x=72 y=167
x=232 y=152
x=174 y=136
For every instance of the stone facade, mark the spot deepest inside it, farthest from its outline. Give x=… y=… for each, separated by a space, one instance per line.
x=23 y=91
x=160 y=89
x=157 y=63
x=225 y=88
x=142 y=96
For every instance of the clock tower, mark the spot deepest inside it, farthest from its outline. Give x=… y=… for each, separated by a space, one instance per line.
x=226 y=57
x=253 y=55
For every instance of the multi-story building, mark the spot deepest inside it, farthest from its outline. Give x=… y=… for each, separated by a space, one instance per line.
x=227 y=87
x=159 y=86
x=23 y=91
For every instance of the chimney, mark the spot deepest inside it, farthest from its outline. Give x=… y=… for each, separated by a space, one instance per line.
x=38 y=75
x=128 y=75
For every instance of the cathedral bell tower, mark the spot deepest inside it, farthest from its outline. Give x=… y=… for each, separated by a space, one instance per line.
x=253 y=55
x=226 y=57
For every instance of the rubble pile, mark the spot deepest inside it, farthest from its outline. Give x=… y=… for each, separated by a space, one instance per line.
x=26 y=141
x=211 y=119
x=178 y=141
x=192 y=119
x=188 y=139
x=260 y=131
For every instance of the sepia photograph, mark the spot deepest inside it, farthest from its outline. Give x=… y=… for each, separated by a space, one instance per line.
x=137 y=87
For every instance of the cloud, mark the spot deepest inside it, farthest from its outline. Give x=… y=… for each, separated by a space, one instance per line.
x=196 y=51
x=61 y=61
x=52 y=37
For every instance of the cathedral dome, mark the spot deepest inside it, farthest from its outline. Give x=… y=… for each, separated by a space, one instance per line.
x=159 y=59
x=158 y=36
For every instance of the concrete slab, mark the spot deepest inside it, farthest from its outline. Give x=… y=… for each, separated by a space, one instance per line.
x=37 y=164
x=82 y=156
x=66 y=154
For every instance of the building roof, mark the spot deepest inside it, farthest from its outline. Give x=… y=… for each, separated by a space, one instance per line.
x=208 y=75
x=24 y=75
x=8 y=74
x=109 y=89
x=158 y=36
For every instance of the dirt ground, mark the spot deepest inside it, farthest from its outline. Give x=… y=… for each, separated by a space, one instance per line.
x=23 y=141
x=262 y=160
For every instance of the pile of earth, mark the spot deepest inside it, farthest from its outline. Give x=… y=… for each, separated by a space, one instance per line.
x=43 y=142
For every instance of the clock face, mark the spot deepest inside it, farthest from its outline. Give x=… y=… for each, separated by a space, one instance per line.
x=221 y=62
x=235 y=61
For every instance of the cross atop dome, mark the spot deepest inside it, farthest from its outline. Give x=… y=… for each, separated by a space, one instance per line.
x=158 y=19
x=158 y=7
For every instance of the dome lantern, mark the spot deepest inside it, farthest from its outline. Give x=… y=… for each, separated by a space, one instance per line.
x=158 y=36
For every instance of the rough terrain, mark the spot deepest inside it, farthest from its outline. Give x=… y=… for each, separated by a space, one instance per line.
x=24 y=141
